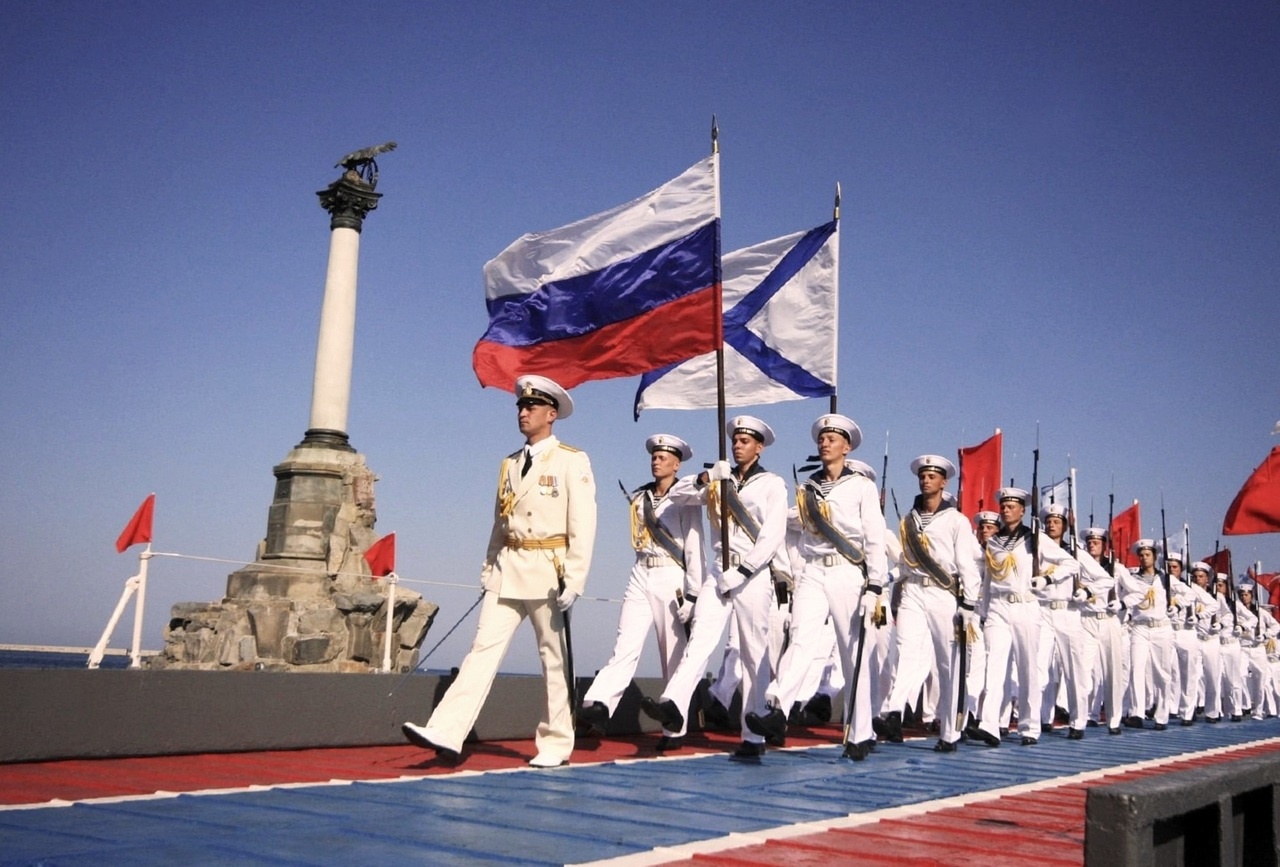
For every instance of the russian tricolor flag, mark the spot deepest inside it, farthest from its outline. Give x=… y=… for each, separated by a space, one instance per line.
x=617 y=294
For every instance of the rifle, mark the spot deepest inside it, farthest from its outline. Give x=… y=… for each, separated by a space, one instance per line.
x=1035 y=507
x=1072 y=545
x=884 y=471
x=1164 y=574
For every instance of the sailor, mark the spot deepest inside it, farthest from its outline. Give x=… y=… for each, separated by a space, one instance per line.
x=842 y=554
x=664 y=583
x=1012 y=629
x=1060 y=603
x=536 y=566
x=756 y=501
x=1211 y=612
x=940 y=590
x=987 y=524
x=1232 y=656
x=1255 y=670
x=1105 y=649
x=1184 y=675
x=1151 y=648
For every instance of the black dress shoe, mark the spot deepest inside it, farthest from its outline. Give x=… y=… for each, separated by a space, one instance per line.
x=1188 y=722
x=981 y=734
x=893 y=727
x=1115 y=731
x=1133 y=722
x=667 y=743
x=880 y=727
x=819 y=708
x=857 y=751
x=1028 y=741
x=944 y=747
x=772 y=726
x=1161 y=727
x=716 y=714
x=593 y=718
x=1235 y=717
x=415 y=736
x=666 y=713
x=1075 y=734
x=1213 y=720
x=1093 y=723
x=1046 y=727
x=748 y=751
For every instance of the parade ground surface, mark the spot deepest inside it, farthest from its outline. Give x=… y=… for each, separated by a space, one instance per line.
x=617 y=803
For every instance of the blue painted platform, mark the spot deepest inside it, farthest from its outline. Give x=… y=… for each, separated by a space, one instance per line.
x=581 y=813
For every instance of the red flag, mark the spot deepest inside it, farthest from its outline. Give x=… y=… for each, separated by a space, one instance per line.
x=1270 y=581
x=980 y=468
x=139 y=526
x=1256 y=509
x=1220 y=561
x=1125 y=530
x=381 y=556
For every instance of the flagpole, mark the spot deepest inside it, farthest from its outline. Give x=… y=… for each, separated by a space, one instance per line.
x=835 y=350
x=718 y=324
x=392 y=579
x=136 y=652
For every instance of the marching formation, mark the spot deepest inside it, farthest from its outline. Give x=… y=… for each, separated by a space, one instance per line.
x=1000 y=628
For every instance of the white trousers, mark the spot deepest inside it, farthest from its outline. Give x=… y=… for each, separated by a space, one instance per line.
x=456 y=714
x=1151 y=658
x=1106 y=649
x=1068 y=636
x=926 y=641
x=1012 y=634
x=649 y=603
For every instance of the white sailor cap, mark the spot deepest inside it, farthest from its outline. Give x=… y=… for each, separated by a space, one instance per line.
x=1055 y=510
x=937 y=463
x=861 y=467
x=985 y=517
x=1144 y=543
x=668 y=443
x=841 y=424
x=749 y=424
x=1221 y=578
x=1201 y=566
x=1095 y=533
x=1175 y=555
x=1012 y=494
x=540 y=389
x=1245 y=587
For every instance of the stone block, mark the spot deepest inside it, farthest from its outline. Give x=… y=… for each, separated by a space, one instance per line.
x=270 y=625
x=308 y=649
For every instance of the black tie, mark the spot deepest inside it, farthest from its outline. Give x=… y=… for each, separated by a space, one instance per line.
x=528 y=462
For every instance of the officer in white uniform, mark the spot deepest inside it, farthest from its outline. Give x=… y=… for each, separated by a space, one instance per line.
x=1012 y=629
x=1151 y=649
x=757 y=507
x=536 y=565
x=940 y=591
x=841 y=548
x=664 y=582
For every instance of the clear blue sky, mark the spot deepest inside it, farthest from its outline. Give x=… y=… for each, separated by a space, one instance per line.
x=1063 y=213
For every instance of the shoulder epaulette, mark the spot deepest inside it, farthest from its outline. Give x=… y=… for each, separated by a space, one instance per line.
x=567 y=448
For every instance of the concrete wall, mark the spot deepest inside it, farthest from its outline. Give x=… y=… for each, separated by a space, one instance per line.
x=78 y=713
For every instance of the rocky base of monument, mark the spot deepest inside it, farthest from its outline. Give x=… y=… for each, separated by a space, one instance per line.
x=345 y=632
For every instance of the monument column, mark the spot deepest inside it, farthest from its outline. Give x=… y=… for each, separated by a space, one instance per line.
x=347 y=200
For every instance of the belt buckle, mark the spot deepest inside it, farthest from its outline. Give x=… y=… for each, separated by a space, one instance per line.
x=828 y=559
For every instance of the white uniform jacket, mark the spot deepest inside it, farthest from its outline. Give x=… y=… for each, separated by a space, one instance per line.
x=1008 y=562
x=853 y=507
x=554 y=502
x=683 y=522
x=950 y=541
x=764 y=496
x=1144 y=597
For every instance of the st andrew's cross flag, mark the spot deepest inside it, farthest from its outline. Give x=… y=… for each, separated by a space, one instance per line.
x=780 y=329
x=616 y=294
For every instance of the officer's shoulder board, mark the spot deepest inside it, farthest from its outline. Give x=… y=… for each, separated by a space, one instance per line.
x=567 y=448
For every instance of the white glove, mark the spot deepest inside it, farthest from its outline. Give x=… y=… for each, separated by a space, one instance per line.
x=685 y=610
x=1081 y=595
x=1173 y=611
x=1039 y=582
x=1114 y=606
x=1237 y=631
x=967 y=618
x=566 y=599
x=870 y=599
x=719 y=471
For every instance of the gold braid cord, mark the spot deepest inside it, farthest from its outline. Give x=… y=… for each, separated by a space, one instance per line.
x=713 y=505
x=1149 y=600
x=1002 y=570
x=639 y=531
x=506 y=495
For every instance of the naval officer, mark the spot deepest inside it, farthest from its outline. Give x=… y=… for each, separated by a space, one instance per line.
x=544 y=527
